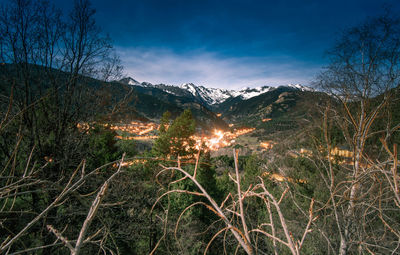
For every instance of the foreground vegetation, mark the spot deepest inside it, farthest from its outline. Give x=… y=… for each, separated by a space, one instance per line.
x=65 y=189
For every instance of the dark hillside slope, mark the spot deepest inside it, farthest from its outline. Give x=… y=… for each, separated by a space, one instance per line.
x=92 y=98
x=281 y=109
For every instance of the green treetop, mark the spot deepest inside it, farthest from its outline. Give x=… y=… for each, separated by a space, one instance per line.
x=176 y=140
x=164 y=123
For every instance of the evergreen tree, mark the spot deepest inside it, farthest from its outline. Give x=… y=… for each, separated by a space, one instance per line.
x=207 y=178
x=164 y=123
x=176 y=140
x=102 y=147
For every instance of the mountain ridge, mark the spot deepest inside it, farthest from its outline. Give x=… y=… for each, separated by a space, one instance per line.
x=211 y=97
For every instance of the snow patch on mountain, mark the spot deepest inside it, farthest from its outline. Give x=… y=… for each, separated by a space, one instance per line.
x=190 y=87
x=130 y=81
x=208 y=95
x=248 y=93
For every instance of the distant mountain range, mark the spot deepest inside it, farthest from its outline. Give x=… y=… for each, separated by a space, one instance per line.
x=211 y=96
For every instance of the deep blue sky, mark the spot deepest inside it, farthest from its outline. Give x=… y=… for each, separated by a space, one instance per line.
x=228 y=44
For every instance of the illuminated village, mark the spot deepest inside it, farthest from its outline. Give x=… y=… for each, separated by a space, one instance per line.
x=148 y=131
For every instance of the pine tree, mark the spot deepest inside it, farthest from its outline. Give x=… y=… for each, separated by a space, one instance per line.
x=176 y=140
x=164 y=123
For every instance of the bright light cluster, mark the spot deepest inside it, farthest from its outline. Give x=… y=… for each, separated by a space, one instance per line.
x=136 y=127
x=220 y=138
x=268 y=144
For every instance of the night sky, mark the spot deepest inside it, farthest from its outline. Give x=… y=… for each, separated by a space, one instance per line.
x=228 y=44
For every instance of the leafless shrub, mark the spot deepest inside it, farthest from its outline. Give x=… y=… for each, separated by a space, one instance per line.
x=17 y=185
x=232 y=208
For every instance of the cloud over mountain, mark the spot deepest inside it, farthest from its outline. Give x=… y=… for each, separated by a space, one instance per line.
x=158 y=65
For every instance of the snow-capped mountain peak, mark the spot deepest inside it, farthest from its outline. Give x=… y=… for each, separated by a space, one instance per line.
x=247 y=92
x=190 y=87
x=130 y=81
x=299 y=87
